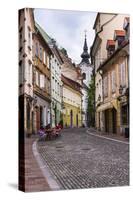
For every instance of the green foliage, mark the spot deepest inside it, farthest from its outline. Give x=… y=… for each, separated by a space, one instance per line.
x=91 y=102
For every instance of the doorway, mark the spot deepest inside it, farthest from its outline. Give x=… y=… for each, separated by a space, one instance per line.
x=106 y=121
x=114 y=120
x=77 y=120
x=71 y=118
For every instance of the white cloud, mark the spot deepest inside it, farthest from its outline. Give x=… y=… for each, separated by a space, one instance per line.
x=67 y=27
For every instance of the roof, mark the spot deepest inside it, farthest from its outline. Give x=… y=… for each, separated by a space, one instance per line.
x=98 y=14
x=71 y=83
x=110 y=43
x=97 y=17
x=119 y=33
x=43 y=33
x=124 y=43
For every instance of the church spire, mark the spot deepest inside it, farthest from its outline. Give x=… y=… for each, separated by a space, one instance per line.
x=85 y=56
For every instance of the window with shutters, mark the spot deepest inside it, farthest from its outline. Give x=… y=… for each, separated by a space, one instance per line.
x=105 y=85
x=122 y=71
x=113 y=81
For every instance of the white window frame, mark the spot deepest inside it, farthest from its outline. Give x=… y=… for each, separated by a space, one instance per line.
x=44 y=57
x=123 y=73
x=37 y=78
x=113 y=81
x=41 y=81
x=105 y=86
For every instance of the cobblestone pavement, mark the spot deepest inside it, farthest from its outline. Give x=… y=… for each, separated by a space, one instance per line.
x=79 y=160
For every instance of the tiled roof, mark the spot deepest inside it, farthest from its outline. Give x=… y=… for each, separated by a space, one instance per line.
x=110 y=43
x=119 y=32
x=123 y=44
x=71 y=83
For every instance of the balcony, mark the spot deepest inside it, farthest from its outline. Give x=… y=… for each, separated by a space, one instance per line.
x=42 y=93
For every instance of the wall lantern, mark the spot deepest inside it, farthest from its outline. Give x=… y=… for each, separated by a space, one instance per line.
x=99 y=97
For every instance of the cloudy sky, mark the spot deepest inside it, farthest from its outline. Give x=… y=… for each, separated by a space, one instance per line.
x=68 y=28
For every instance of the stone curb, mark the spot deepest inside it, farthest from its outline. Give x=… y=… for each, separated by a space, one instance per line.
x=107 y=138
x=45 y=171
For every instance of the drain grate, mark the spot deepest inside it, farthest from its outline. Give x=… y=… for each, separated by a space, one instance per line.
x=86 y=149
x=59 y=147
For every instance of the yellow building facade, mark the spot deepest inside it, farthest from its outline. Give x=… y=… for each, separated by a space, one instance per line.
x=72 y=102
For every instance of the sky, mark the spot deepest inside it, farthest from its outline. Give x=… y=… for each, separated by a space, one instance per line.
x=68 y=29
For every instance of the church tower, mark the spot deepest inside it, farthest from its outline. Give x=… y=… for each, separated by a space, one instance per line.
x=86 y=71
x=85 y=56
x=85 y=64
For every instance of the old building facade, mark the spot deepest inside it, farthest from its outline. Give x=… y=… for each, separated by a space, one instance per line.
x=110 y=54
x=72 y=97
x=71 y=92
x=56 y=82
x=26 y=28
x=55 y=79
x=41 y=81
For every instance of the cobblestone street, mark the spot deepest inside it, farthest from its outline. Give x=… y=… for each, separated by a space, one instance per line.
x=78 y=160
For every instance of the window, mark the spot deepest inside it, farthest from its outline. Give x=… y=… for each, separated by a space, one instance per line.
x=20 y=39
x=113 y=81
x=105 y=85
x=41 y=81
x=40 y=53
x=122 y=71
x=36 y=46
x=29 y=72
x=44 y=57
x=29 y=37
x=58 y=88
x=37 y=78
x=48 y=86
x=48 y=62
x=20 y=73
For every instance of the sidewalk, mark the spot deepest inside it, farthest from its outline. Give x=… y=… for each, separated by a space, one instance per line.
x=108 y=135
x=34 y=180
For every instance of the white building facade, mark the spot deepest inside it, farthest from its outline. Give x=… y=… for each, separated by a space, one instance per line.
x=56 y=85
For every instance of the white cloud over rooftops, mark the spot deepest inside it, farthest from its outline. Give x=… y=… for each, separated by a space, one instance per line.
x=68 y=27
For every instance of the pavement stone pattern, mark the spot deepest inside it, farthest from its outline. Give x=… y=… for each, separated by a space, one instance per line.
x=78 y=160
